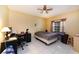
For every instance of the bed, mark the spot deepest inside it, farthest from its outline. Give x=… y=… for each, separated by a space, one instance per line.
x=47 y=37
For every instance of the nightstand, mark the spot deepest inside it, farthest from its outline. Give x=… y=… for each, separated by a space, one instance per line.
x=76 y=43
x=64 y=38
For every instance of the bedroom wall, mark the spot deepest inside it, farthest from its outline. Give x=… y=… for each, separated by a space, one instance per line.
x=71 y=24
x=3 y=20
x=21 y=21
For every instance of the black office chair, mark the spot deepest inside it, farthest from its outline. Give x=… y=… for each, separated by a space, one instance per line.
x=20 y=41
x=26 y=38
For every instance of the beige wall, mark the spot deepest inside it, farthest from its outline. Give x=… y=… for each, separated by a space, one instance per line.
x=20 y=21
x=71 y=24
x=3 y=20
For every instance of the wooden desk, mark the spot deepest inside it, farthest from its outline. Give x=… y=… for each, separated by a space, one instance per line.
x=11 y=39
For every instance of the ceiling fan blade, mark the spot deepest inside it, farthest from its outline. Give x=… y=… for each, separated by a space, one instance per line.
x=49 y=9
x=39 y=9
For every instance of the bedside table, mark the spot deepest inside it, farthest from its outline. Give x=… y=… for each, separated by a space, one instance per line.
x=64 y=38
x=76 y=43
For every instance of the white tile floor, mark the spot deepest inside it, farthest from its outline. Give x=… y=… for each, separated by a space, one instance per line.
x=37 y=47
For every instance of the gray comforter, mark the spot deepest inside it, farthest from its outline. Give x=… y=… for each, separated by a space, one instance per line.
x=47 y=35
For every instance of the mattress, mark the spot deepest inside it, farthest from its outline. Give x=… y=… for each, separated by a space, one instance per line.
x=46 y=35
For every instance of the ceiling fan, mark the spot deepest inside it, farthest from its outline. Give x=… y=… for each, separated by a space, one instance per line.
x=44 y=9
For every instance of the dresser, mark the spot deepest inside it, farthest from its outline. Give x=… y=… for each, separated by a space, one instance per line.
x=76 y=43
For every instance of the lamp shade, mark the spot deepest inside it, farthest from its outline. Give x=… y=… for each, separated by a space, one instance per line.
x=5 y=29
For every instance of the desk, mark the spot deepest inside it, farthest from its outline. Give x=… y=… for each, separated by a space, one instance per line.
x=11 y=41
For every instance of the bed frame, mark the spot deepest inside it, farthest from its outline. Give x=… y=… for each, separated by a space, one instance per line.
x=47 y=42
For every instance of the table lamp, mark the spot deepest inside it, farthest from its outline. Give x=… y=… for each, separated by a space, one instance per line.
x=6 y=30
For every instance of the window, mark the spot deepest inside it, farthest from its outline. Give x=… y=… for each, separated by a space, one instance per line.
x=56 y=26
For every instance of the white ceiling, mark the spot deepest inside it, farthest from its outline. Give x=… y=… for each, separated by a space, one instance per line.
x=32 y=9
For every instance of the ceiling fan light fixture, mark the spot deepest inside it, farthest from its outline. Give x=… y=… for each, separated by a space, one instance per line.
x=44 y=9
